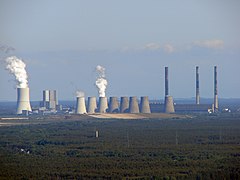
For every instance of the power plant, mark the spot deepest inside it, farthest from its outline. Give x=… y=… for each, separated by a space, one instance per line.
x=23 y=101
x=50 y=99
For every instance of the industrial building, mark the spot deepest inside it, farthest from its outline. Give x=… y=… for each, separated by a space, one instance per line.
x=50 y=100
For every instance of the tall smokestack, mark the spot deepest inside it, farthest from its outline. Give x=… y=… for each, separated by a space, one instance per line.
x=81 y=107
x=23 y=102
x=197 y=86
x=92 y=105
x=168 y=105
x=166 y=81
x=124 y=105
x=215 y=90
x=103 y=105
x=113 y=105
x=144 y=105
x=133 y=105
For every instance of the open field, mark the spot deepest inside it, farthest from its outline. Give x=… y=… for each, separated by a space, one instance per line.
x=202 y=147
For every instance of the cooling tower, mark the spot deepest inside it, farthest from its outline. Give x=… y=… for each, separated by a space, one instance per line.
x=169 y=108
x=23 y=102
x=197 y=86
x=103 y=105
x=81 y=107
x=144 y=105
x=133 y=105
x=113 y=105
x=92 y=105
x=215 y=90
x=124 y=105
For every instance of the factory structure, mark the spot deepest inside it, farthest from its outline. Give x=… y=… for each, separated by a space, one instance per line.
x=120 y=105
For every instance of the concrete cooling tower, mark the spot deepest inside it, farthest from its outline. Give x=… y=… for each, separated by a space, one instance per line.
x=124 y=105
x=23 y=102
x=92 y=105
x=113 y=105
x=169 y=108
x=144 y=105
x=81 y=107
x=133 y=105
x=103 y=105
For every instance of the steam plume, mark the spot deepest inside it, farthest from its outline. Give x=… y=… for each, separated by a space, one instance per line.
x=101 y=82
x=16 y=67
x=80 y=93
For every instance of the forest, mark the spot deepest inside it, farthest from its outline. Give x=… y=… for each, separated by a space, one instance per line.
x=201 y=147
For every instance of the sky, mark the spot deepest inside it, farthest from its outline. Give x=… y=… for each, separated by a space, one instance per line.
x=62 y=41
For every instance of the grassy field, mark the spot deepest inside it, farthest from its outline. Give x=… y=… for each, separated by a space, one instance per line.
x=203 y=147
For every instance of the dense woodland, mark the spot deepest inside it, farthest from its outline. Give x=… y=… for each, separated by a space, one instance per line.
x=203 y=147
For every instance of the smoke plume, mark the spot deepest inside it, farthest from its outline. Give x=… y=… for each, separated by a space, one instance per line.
x=101 y=82
x=16 y=67
x=80 y=93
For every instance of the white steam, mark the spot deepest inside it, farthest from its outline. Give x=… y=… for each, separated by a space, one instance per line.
x=80 y=93
x=17 y=67
x=101 y=82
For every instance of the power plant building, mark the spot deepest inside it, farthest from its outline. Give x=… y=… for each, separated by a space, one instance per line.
x=50 y=99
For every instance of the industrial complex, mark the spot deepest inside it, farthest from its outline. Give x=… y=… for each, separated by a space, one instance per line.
x=131 y=105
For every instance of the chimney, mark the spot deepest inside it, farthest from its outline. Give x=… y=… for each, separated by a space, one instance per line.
x=168 y=103
x=103 y=105
x=197 y=86
x=215 y=90
x=133 y=105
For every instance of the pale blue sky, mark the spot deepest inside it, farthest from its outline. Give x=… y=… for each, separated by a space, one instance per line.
x=62 y=41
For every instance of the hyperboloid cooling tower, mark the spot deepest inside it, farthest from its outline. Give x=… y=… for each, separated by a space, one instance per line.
x=23 y=102
x=215 y=90
x=92 y=105
x=168 y=104
x=81 y=107
x=103 y=105
x=124 y=105
x=197 y=86
x=113 y=105
x=144 y=105
x=133 y=105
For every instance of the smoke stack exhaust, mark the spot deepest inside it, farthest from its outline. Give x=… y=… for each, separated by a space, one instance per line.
x=215 y=90
x=168 y=104
x=103 y=105
x=197 y=86
x=144 y=105
x=113 y=105
x=133 y=105
x=124 y=105
x=81 y=107
x=92 y=105
x=23 y=102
